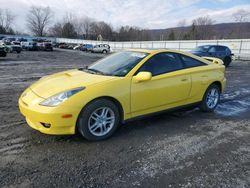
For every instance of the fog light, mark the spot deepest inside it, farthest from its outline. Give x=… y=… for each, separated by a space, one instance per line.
x=46 y=125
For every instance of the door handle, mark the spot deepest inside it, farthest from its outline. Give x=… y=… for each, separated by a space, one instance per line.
x=184 y=79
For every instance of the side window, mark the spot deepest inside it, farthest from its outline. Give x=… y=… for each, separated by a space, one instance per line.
x=162 y=63
x=212 y=49
x=220 y=48
x=191 y=62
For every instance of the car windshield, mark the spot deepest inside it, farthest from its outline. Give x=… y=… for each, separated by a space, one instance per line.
x=118 y=64
x=202 y=48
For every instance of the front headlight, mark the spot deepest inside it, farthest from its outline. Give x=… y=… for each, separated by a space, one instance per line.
x=60 y=97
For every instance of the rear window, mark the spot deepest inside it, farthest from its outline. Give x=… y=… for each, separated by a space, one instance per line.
x=202 y=48
x=220 y=48
x=191 y=62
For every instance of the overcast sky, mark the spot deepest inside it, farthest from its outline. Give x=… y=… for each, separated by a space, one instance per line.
x=151 y=14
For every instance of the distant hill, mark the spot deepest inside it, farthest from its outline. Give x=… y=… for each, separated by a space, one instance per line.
x=218 y=31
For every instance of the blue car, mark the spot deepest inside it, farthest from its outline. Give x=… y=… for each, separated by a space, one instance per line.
x=87 y=47
x=218 y=51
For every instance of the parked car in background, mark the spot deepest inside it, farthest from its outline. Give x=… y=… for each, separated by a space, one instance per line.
x=16 y=46
x=11 y=47
x=101 y=48
x=63 y=45
x=22 y=40
x=3 y=50
x=30 y=45
x=71 y=46
x=7 y=46
x=77 y=47
x=9 y=39
x=45 y=46
x=218 y=51
x=87 y=47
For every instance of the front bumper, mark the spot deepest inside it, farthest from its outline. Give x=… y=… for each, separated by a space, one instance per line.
x=36 y=116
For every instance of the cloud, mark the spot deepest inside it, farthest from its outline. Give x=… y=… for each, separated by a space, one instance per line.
x=145 y=14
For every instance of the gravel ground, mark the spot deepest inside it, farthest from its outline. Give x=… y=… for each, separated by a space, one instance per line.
x=180 y=149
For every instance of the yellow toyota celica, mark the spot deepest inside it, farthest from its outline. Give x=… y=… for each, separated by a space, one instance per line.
x=94 y=100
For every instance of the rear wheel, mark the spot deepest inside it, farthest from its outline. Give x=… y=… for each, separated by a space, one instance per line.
x=227 y=61
x=211 y=98
x=98 y=120
x=4 y=54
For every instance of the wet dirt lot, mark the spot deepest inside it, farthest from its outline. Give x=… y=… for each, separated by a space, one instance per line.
x=180 y=149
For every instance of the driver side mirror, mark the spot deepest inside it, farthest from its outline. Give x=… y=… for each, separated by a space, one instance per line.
x=143 y=76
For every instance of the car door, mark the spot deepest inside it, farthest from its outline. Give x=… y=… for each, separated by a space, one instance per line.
x=220 y=52
x=212 y=51
x=169 y=86
x=217 y=51
x=200 y=76
x=100 y=47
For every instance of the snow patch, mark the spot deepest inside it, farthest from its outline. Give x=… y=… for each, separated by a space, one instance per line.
x=234 y=107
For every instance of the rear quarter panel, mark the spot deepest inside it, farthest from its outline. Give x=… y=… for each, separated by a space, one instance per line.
x=202 y=77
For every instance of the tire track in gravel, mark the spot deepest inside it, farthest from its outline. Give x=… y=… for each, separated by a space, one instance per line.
x=166 y=156
x=12 y=124
x=11 y=143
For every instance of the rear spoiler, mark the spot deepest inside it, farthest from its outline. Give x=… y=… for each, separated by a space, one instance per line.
x=214 y=60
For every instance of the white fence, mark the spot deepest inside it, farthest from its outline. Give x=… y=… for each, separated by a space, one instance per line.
x=240 y=47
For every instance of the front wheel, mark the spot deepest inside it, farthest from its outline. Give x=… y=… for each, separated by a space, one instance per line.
x=211 y=98
x=98 y=120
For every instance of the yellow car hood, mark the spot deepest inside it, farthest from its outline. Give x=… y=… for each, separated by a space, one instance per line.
x=50 y=85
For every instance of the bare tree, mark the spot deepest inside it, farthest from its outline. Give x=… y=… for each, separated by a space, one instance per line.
x=86 y=26
x=241 y=15
x=56 y=30
x=68 y=30
x=39 y=19
x=203 y=27
x=74 y=20
x=101 y=28
x=6 y=19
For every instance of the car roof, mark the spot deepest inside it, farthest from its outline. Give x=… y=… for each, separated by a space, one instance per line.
x=156 y=51
x=153 y=51
x=213 y=45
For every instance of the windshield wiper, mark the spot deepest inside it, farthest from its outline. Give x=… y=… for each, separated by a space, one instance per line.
x=94 y=71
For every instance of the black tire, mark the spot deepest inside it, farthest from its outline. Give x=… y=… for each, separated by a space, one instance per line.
x=104 y=51
x=84 y=116
x=3 y=54
x=227 y=60
x=204 y=106
x=18 y=51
